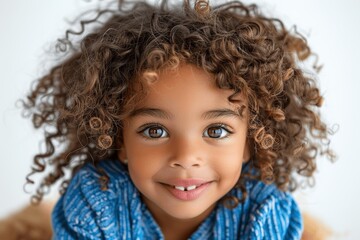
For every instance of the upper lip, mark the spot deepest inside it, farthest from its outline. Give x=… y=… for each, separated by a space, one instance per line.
x=186 y=182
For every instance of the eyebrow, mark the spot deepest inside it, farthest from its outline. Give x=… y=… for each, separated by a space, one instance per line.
x=152 y=112
x=224 y=112
x=158 y=113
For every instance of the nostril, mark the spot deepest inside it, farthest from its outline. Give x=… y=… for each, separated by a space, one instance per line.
x=185 y=164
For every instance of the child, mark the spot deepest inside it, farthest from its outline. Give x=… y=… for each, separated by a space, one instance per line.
x=184 y=121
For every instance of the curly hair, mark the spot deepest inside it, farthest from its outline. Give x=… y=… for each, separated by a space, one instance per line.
x=83 y=100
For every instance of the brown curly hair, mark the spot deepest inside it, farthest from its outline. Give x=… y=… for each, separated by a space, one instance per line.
x=82 y=101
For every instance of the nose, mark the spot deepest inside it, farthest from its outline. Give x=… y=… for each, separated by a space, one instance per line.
x=186 y=153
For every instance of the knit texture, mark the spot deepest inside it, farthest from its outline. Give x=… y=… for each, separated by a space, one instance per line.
x=87 y=212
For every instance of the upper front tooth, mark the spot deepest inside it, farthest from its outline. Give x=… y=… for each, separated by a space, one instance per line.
x=180 y=188
x=192 y=187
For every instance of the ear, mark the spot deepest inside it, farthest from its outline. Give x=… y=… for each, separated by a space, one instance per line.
x=247 y=152
x=121 y=152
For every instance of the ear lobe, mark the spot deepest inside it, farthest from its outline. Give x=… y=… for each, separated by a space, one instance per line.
x=121 y=154
x=247 y=154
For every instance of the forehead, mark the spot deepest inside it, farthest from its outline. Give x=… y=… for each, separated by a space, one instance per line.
x=187 y=86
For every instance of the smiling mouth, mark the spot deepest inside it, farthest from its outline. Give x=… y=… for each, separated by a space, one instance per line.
x=188 y=188
x=189 y=192
x=185 y=188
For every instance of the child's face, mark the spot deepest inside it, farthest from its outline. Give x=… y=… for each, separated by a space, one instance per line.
x=185 y=133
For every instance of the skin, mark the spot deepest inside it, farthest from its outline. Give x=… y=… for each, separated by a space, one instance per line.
x=187 y=135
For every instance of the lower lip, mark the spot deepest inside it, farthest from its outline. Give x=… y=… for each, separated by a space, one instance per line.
x=188 y=195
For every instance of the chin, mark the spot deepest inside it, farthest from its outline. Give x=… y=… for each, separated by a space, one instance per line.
x=184 y=212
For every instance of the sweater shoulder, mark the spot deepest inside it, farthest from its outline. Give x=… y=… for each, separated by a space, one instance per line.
x=85 y=210
x=87 y=181
x=273 y=212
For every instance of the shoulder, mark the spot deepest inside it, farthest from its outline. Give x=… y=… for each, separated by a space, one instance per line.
x=85 y=210
x=272 y=212
x=86 y=183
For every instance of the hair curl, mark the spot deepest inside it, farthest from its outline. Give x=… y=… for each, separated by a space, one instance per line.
x=87 y=95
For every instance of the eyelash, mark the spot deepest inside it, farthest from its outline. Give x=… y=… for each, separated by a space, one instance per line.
x=148 y=126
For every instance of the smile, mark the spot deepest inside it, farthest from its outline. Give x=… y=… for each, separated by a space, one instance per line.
x=188 y=188
x=187 y=192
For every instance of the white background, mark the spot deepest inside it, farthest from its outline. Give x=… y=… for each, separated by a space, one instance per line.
x=29 y=28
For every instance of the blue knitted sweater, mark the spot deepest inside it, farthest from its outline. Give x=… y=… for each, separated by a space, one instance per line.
x=87 y=212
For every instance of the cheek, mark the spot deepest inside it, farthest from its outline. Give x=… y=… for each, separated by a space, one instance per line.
x=140 y=154
x=228 y=165
x=141 y=170
x=228 y=162
x=143 y=161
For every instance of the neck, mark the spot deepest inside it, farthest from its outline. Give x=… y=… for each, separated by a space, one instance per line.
x=175 y=228
x=179 y=229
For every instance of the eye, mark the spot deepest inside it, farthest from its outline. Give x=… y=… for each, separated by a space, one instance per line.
x=154 y=131
x=219 y=131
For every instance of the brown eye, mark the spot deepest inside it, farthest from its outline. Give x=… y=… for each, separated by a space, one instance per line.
x=155 y=132
x=217 y=132
x=214 y=132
